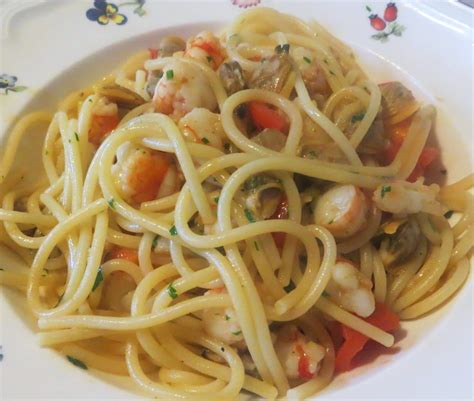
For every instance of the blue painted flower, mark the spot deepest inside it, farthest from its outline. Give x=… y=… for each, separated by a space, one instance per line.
x=104 y=12
x=8 y=84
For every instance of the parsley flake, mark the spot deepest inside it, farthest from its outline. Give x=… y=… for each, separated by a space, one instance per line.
x=169 y=74
x=308 y=60
x=385 y=189
x=173 y=230
x=256 y=245
x=111 y=203
x=205 y=140
x=210 y=59
x=98 y=279
x=77 y=136
x=236 y=333
x=172 y=291
x=249 y=216
x=76 y=362
x=216 y=199
x=227 y=317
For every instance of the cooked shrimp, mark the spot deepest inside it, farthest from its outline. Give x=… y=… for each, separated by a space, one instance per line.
x=205 y=47
x=351 y=289
x=299 y=356
x=104 y=119
x=222 y=323
x=408 y=198
x=342 y=210
x=118 y=252
x=181 y=89
x=139 y=172
x=202 y=126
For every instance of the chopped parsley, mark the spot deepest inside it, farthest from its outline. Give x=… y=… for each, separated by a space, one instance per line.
x=76 y=362
x=76 y=136
x=210 y=59
x=308 y=60
x=227 y=317
x=254 y=182
x=326 y=61
x=169 y=74
x=216 y=199
x=222 y=349
x=357 y=117
x=173 y=230
x=154 y=243
x=236 y=333
x=385 y=189
x=98 y=279
x=46 y=152
x=256 y=245
x=449 y=214
x=282 y=49
x=172 y=291
x=249 y=216
x=90 y=100
x=331 y=72
x=205 y=140
x=111 y=203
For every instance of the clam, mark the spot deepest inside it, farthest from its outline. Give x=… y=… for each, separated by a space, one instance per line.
x=232 y=77
x=123 y=97
x=396 y=248
x=272 y=73
x=398 y=103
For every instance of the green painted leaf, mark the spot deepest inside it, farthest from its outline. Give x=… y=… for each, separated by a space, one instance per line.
x=18 y=89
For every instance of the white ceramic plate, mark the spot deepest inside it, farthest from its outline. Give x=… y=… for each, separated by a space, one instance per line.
x=51 y=47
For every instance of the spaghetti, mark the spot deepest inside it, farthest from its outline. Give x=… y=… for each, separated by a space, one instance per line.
x=222 y=217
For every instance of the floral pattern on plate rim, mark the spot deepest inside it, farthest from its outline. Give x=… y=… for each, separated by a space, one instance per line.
x=104 y=12
x=387 y=25
x=8 y=84
x=245 y=3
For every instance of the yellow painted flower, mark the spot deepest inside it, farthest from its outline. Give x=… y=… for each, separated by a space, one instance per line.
x=104 y=12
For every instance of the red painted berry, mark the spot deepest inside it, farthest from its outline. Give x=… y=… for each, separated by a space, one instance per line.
x=390 y=13
x=377 y=22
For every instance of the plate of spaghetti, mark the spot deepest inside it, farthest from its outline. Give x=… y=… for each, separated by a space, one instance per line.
x=244 y=210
